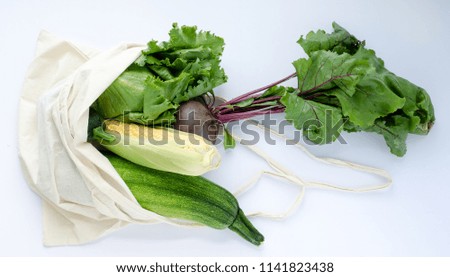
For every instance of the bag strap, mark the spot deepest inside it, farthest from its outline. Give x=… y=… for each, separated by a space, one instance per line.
x=283 y=173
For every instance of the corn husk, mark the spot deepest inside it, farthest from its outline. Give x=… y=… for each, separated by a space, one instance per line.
x=159 y=148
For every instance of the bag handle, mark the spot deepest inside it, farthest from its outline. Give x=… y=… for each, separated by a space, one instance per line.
x=283 y=173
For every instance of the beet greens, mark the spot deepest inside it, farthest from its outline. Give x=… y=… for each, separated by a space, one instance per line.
x=345 y=82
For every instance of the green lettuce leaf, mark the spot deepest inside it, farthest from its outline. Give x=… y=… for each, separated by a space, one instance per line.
x=125 y=94
x=165 y=75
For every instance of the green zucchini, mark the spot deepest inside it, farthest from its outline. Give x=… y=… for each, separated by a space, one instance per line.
x=191 y=198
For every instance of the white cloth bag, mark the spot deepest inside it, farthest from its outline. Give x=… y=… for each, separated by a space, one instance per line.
x=83 y=196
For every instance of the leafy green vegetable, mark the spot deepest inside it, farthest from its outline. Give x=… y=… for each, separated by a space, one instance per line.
x=165 y=75
x=313 y=118
x=125 y=94
x=326 y=70
x=375 y=101
x=340 y=41
x=341 y=86
x=394 y=130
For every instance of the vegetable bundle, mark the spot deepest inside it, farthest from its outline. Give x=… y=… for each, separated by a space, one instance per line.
x=342 y=86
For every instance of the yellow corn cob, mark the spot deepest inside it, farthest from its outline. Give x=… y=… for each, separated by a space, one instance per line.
x=163 y=149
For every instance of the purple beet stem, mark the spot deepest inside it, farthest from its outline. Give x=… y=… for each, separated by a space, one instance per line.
x=225 y=114
x=250 y=93
x=224 y=118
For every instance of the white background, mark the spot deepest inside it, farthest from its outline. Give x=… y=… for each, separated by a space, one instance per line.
x=409 y=219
